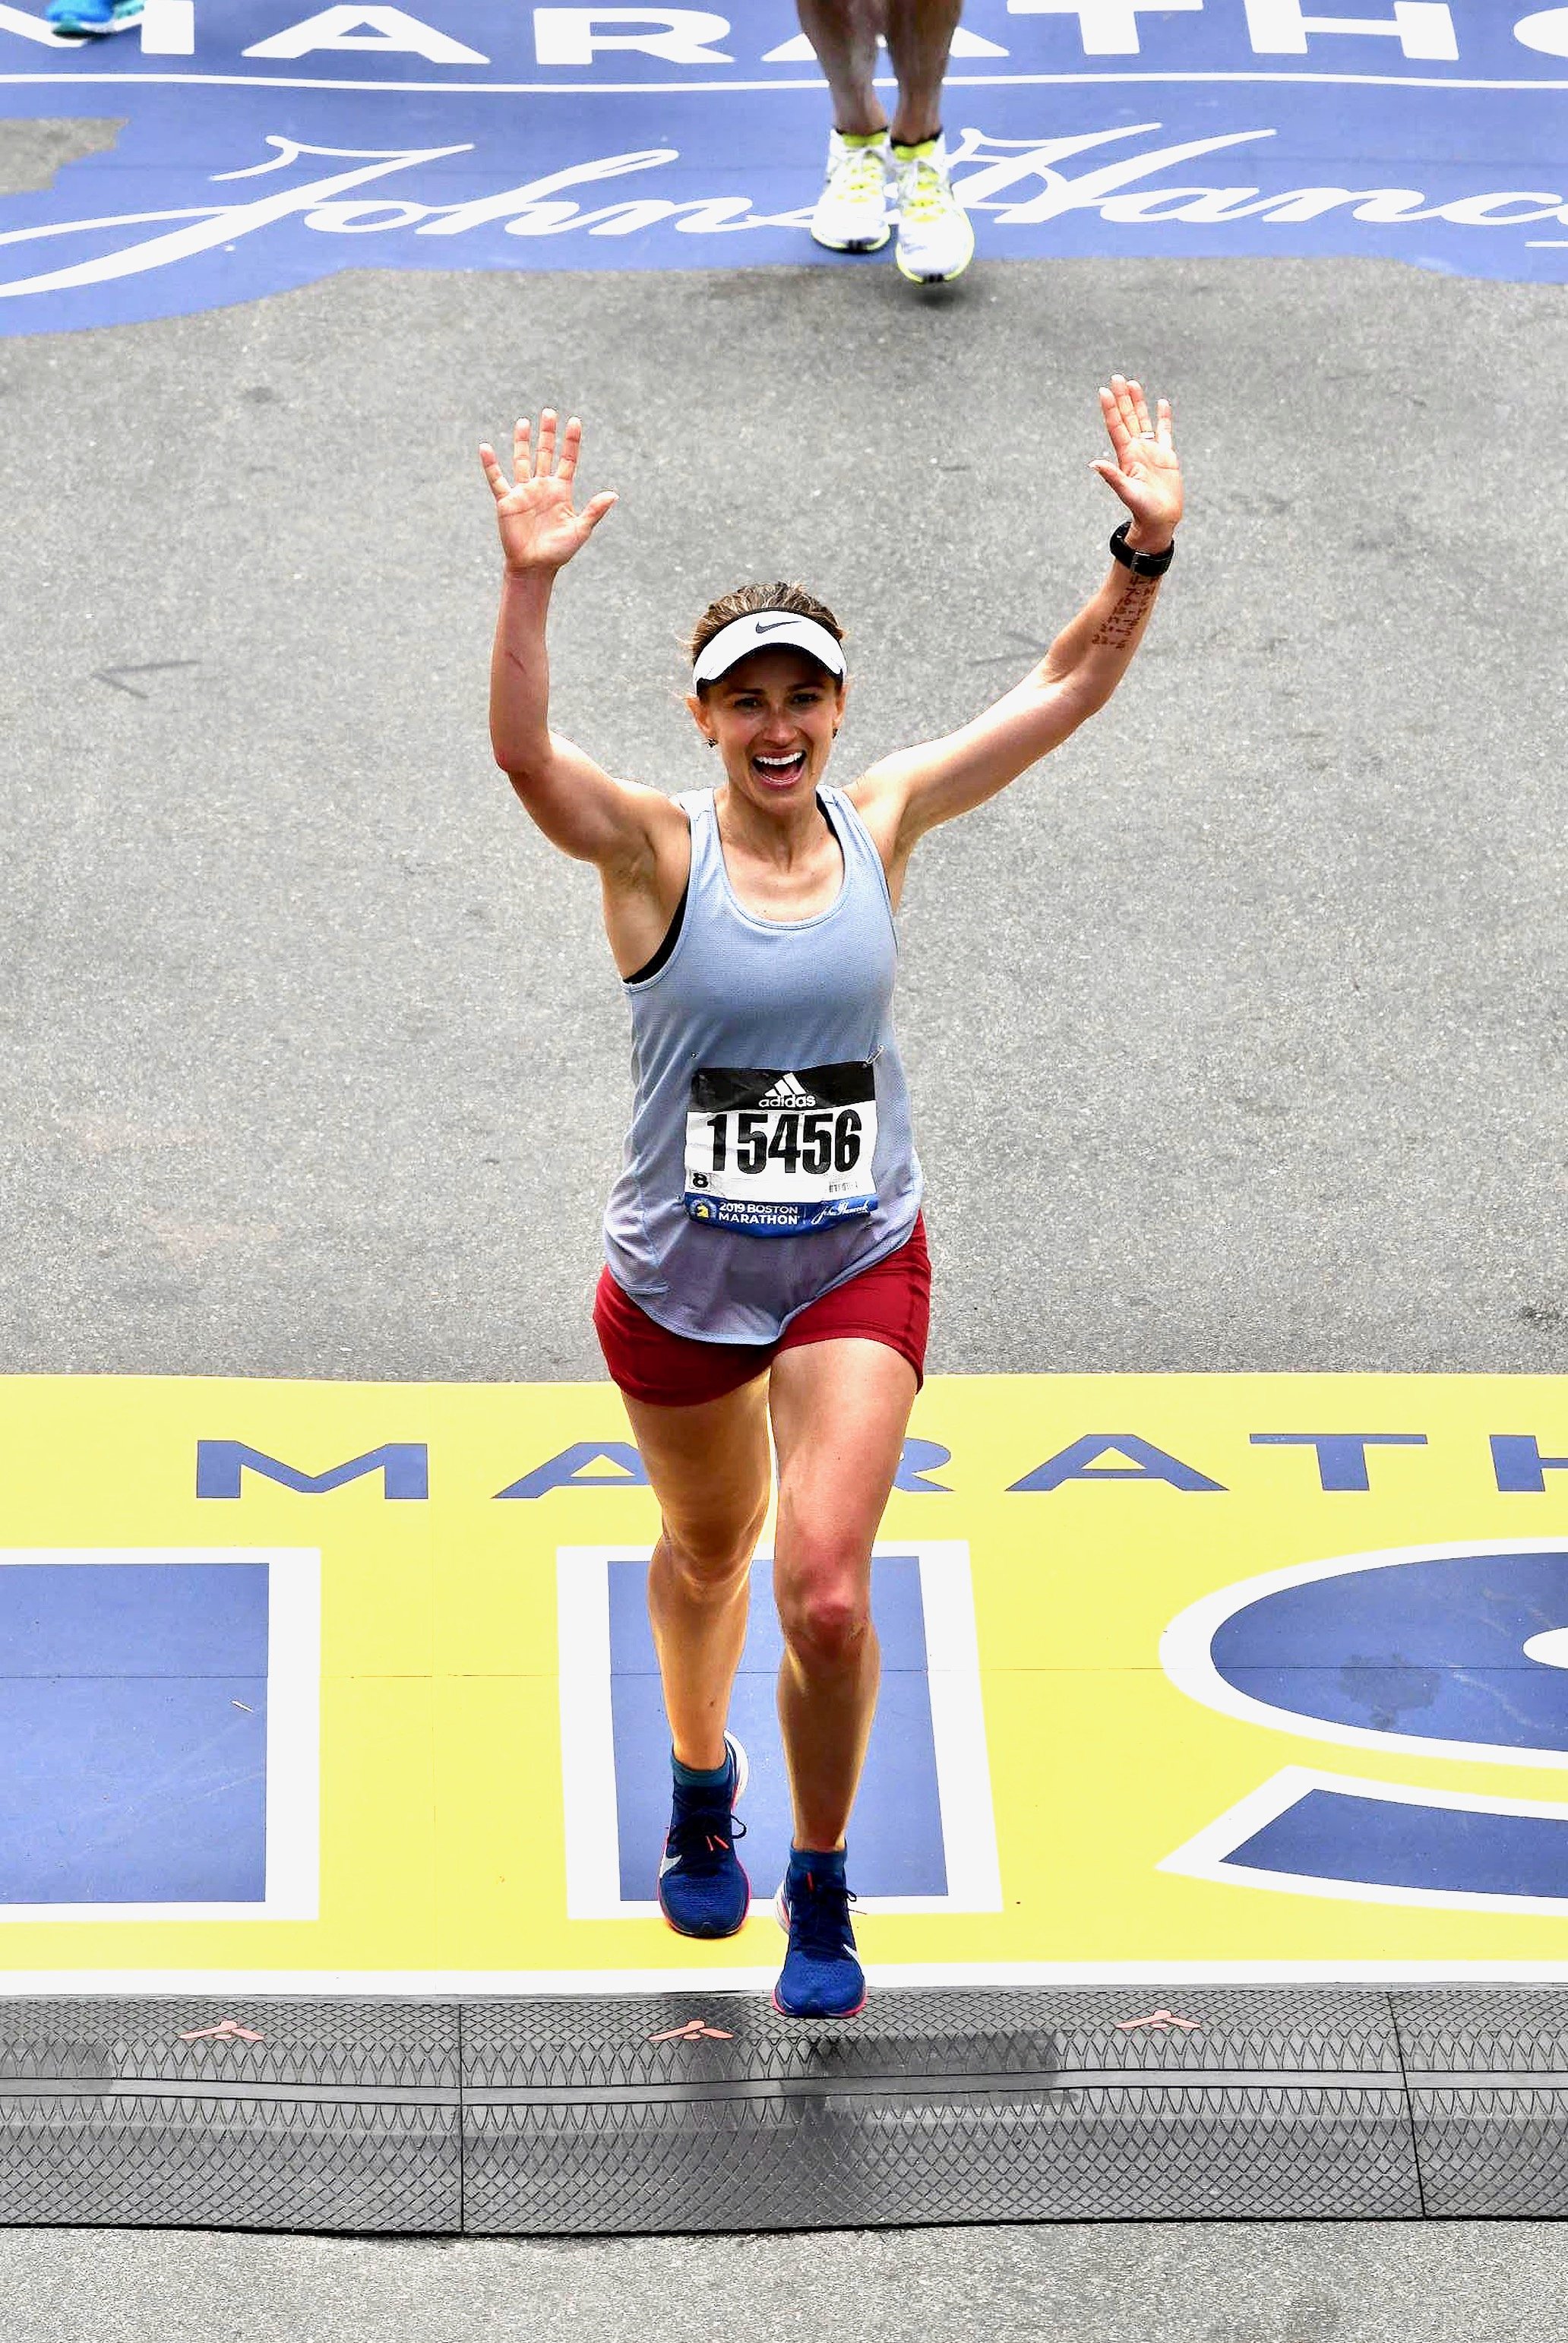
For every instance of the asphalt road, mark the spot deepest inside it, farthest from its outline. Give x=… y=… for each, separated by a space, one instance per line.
x=1299 y=2282
x=1236 y=1032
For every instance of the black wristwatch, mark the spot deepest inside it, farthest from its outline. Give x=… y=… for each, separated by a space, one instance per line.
x=1142 y=565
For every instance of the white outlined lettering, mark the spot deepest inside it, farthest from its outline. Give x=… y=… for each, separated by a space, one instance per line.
x=387 y=31
x=680 y=36
x=1547 y=30
x=1108 y=28
x=1424 y=28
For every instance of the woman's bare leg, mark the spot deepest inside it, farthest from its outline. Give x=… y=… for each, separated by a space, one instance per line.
x=711 y=1472
x=839 y=1412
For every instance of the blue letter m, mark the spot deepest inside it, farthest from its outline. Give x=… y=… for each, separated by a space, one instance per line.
x=404 y=1465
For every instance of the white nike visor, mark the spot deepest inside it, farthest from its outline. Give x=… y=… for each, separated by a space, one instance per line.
x=766 y=630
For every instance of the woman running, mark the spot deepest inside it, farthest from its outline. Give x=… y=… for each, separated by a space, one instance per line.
x=766 y=1256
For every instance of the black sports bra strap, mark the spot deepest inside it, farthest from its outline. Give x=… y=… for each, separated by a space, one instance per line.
x=671 y=938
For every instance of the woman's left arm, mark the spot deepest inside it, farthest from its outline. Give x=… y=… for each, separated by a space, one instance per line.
x=912 y=790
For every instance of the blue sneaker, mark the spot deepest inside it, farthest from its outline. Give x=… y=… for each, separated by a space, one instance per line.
x=702 y=1890
x=822 y=1976
x=76 y=17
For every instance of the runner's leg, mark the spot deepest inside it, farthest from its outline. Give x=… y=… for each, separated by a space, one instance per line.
x=839 y=1412
x=919 y=35
x=711 y=1472
x=844 y=32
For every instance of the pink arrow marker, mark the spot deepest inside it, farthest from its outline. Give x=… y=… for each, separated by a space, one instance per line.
x=694 y=2030
x=1162 y=2018
x=227 y=2029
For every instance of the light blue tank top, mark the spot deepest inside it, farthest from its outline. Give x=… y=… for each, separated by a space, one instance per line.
x=763 y=1056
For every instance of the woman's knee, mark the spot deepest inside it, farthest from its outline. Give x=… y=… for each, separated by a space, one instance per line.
x=710 y=1554
x=825 y=1604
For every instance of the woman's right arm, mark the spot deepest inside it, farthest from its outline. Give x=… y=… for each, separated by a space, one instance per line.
x=580 y=808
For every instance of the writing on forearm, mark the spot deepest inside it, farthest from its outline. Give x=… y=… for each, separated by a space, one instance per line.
x=1127 y=615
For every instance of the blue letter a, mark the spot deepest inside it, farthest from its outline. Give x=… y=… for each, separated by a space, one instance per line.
x=1148 y=1463
x=566 y=1471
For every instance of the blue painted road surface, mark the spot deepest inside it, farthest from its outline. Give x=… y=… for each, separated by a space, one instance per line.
x=1450 y=1651
x=133 y=1733
x=268 y=143
x=1365 y=1841
x=1436 y=1649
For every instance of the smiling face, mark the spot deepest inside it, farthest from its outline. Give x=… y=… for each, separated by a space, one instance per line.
x=772 y=717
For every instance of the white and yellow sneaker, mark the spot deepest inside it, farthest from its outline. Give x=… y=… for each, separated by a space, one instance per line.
x=851 y=213
x=936 y=242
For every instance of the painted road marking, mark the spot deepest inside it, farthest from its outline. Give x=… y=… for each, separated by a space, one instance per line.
x=158 y=1734
x=1240 y=1667
x=924 y=1820
x=1424 y=1648
x=559 y=138
x=1308 y=1833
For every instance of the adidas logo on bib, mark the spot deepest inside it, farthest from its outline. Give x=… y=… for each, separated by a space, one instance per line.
x=787 y=1091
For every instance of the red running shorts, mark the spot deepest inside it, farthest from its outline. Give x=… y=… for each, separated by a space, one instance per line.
x=889 y=1302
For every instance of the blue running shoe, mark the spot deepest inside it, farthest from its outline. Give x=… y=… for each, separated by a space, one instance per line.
x=822 y=1976
x=78 y=17
x=702 y=1890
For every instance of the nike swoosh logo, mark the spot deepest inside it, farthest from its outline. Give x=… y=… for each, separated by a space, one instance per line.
x=773 y=625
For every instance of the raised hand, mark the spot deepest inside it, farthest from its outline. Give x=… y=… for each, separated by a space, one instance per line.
x=540 y=530
x=1146 y=475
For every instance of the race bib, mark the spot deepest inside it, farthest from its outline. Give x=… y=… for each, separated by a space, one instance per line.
x=780 y=1155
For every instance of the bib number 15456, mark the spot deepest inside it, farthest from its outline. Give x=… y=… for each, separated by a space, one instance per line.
x=781 y=1153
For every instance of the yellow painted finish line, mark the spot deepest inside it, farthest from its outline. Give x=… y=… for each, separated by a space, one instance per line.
x=1225 y=1675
